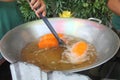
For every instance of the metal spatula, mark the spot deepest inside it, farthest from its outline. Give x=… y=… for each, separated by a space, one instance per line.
x=60 y=41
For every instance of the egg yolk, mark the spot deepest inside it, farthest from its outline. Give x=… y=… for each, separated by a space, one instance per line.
x=79 y=48
x=48 y=41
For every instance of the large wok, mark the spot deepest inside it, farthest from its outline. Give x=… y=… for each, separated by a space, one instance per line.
x=103 y=38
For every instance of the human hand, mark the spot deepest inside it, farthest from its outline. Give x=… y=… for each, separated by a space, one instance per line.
x=2 y=60
x=38 y=6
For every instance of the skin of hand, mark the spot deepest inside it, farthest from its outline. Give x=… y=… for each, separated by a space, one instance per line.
x=2 y=60
x=38 y=6
x=114 y=5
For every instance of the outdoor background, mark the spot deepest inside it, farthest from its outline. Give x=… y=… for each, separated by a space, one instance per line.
x=79 y=8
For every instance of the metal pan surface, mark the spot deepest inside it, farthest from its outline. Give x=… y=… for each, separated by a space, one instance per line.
x=93 y=32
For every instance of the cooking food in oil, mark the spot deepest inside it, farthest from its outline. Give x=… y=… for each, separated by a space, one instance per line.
x=48 y=55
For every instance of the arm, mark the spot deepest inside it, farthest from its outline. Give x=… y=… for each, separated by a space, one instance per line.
x=2 y=60
x=114 y=5
x=38 y=6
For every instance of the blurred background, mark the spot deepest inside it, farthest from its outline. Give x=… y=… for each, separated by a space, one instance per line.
x=78 y=8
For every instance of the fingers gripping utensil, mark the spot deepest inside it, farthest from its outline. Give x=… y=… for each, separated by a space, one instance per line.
x=60 y=41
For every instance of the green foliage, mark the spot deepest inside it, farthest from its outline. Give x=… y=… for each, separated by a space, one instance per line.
x=28 y=14
x=79 y=8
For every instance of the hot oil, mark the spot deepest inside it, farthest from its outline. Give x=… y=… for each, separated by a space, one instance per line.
x=50 y=59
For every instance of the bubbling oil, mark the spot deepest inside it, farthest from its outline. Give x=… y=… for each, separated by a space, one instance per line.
x=55 y=58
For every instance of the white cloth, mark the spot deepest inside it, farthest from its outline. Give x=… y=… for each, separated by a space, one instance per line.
x=25 y=71
x=58 y=75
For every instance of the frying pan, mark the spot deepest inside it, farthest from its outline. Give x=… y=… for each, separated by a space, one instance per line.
x=103 y=38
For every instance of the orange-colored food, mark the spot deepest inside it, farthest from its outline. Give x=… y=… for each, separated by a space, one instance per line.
x=48 y=41
x=79 y=48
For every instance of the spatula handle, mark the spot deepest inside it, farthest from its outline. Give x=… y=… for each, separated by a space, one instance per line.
x=51 y=28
